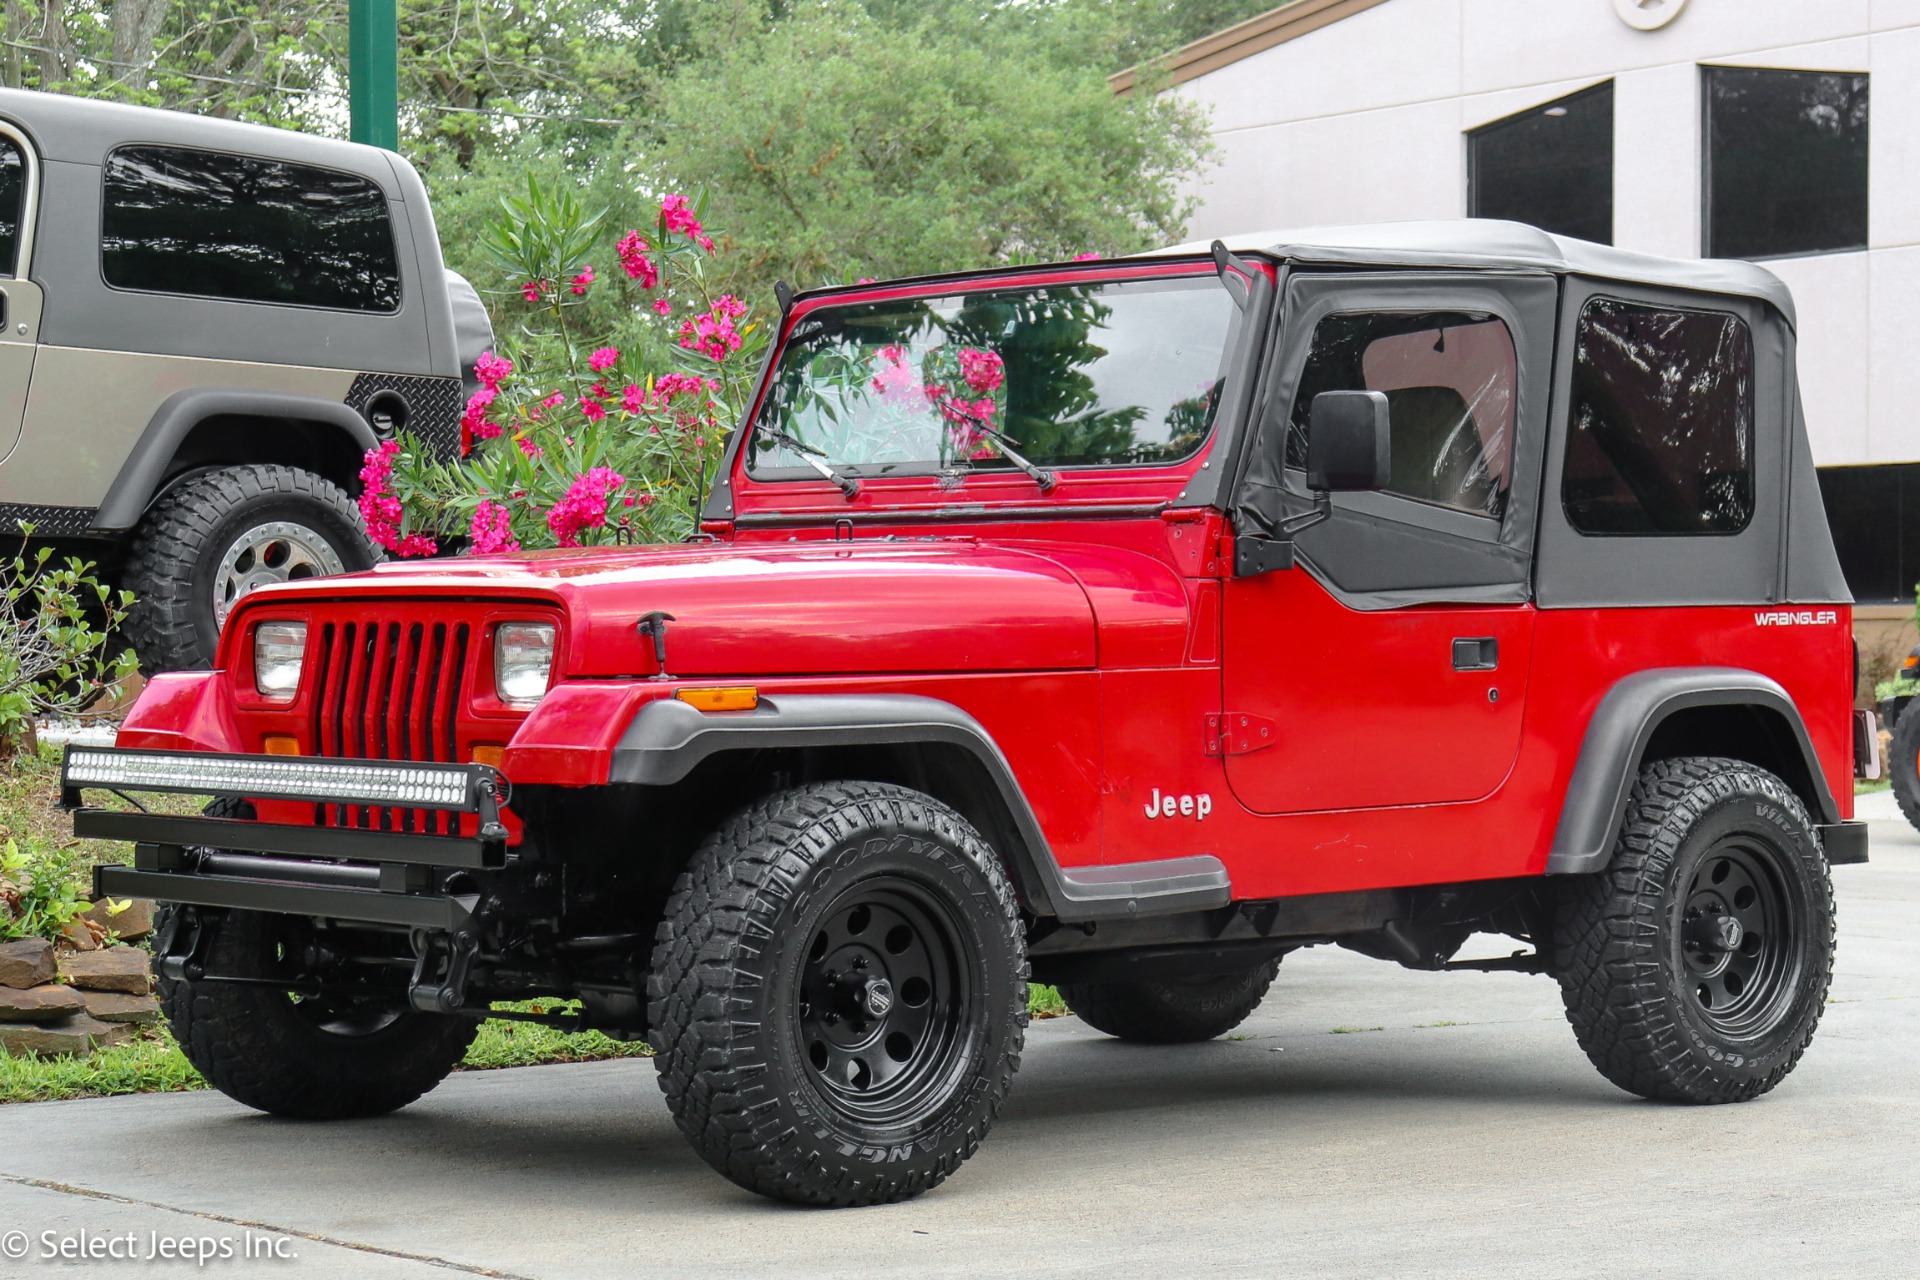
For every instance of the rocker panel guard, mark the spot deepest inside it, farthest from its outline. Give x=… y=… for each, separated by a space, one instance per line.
x=668 y=738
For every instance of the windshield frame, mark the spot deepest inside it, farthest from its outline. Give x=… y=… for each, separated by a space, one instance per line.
x=962 y=474
x=807 y=497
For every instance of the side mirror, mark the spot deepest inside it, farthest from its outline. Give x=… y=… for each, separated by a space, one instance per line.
x=1349 y=442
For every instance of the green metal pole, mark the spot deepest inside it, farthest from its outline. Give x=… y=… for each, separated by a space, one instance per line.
x=373 y=72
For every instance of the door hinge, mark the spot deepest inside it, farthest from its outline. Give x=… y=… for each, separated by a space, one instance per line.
x=1235 y=733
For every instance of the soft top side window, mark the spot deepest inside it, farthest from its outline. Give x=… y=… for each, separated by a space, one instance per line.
x=13 y=186
x=1661 y=438
x=212 y=225
x=1123 y=372
x=1449 y=379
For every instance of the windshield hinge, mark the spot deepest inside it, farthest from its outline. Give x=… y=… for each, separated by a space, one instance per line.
x=1236 y=733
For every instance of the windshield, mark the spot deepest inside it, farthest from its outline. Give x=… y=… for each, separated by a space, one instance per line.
x=1067 y=375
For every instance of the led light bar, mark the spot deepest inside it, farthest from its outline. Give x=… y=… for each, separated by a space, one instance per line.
x=405 y=784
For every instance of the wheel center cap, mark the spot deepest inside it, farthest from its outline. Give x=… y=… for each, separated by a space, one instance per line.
x=1717 y=933
x=877 y=997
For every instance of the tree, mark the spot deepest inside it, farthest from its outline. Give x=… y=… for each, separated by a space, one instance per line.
x=849 y=147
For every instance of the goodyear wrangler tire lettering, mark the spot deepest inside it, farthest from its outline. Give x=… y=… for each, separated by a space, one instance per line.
x=1695 y=968
x=839 y=994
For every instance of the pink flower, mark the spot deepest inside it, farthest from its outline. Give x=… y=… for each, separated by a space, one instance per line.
x=584 y=506
x=864 y=280
x=677 y=215
x=632 y=249
x=603 y=359
x=381 y=510
x=713 y=334
x=983 y=370
x=677 y=384
x=896 y=381
x=633 y=399
x=1085 y=257
x=581 y=281
x=594 y=410
x=527 y=447
x=554 y=401
x=492 y=370
x=662 y=306
x=491 y=531
x=531 y=291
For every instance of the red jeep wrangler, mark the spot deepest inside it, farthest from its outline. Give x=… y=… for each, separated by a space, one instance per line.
x=1124 y=625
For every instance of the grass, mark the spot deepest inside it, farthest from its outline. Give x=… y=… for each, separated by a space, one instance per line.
x=30 y=812
x=1352 y=1031
x=1045 y=1002
x=1866 y=786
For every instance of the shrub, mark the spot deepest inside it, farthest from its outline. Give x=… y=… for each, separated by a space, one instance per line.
x=40 y=892
x=577 y=438
x=55 y=628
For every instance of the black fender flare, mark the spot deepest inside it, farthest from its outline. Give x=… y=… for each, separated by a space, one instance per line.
x=668 y=738
x=146 y=466
x=1617 y=738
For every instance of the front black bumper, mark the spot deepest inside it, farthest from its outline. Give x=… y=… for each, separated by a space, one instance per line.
x=355 y=873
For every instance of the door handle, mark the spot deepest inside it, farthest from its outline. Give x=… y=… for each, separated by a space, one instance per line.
x=1476 y=653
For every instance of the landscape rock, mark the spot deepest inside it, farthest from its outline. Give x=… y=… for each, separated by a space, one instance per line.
x=78 y=1035
x=132 y=924
x=114 y=969
x=79 y=935
x=116 y=1006
x=27 y=962
x=49 y=1003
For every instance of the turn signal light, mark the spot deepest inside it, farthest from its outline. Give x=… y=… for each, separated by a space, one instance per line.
x=720 y=699
x=489 y=754
x=280 y=744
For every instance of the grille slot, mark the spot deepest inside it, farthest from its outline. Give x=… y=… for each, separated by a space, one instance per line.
x=389 y=691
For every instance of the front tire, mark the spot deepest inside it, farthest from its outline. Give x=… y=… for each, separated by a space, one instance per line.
x=1695 y=968
x=1172 y=1011
x=839 y=994
x=222 y=534
x=306 y=1059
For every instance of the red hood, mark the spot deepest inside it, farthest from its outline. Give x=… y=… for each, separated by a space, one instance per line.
x=812 y=608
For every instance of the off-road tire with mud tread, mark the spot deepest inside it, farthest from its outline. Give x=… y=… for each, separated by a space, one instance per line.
x=725 y=979
x=1619 y=956
x=1903 y=763
x=175 y=551
x=1175 y=1011
x=253 y=1045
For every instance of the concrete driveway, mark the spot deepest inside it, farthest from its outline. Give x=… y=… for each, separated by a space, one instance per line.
x=1371 y=1121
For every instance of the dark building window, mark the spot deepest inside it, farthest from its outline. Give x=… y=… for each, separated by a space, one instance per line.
x=223 y=226
x=1448 y=377
x=1877 y=540
x=13 y=175
x=1786 y=163
x=1662 y=435
x=1551 y=166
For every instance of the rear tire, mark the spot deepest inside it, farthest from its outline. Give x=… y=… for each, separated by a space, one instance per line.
x=1175 y=1011
x=1903 y=763
x=221 y=534
x=310 y=1060
x=839 y=994
x=1696 y=966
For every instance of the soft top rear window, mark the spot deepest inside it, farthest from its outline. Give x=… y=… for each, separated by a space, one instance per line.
x=1119 y=373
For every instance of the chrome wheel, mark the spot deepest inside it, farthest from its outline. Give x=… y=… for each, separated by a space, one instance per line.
x=280 y=551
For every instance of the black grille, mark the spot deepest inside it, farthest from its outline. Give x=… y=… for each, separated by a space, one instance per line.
x=389 y=691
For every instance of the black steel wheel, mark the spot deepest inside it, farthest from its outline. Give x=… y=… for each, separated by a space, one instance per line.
x=839 y=994
x=1695 y=968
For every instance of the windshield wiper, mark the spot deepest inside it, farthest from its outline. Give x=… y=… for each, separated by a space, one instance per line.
x=815 y=459
x=1037 y=473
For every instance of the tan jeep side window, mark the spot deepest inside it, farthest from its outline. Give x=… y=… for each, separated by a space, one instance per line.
x=1449 y=378
x=1661 y=440
x=13 y=181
